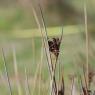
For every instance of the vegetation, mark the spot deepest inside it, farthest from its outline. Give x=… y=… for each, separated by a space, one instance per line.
x=42 y=61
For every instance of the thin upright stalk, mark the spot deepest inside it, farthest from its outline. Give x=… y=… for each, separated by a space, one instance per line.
x=46 y=40
x=81 y=84
x=87 y=42
x=72 y=86
x=43 y=21
x=16 y=71
x=52 y=78
x=33 y=49
x=35 y=78
x=59 y=65
x=43 y=38
x=27 y=84
x=40 y=70
x=6 y=71
x=85 y=80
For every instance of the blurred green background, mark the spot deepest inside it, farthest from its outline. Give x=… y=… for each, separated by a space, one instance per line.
x=18 y=27
x=17 y=14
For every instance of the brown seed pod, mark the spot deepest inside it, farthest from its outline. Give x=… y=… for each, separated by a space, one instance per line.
x=54 y=45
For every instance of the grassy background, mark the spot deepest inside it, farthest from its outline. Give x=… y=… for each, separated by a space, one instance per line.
x=28 y=53
x=18 y=28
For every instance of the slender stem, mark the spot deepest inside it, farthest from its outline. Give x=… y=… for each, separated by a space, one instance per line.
x=44 y=41
x=81 y=85
x=33 y=49
x=43 y=21
x=40 y=70
x=27 y=84
x=86 y=86
x=72 y=86
x=35 y=78
x=87 y=42
x=6 y=71
x=61 y=35
x=59 y=51
x=16 y=71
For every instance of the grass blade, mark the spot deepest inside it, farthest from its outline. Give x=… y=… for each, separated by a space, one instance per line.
x=73 y=87
x=40 y=29
x=43 y=21
x=40 y=70
x=6 y=71
x=35 y=78
x=87 y=42
x=53 y=87
x=61 y=35
x=27 y=84
x=16 y=71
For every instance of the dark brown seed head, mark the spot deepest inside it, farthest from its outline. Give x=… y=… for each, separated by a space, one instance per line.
x=54 y=45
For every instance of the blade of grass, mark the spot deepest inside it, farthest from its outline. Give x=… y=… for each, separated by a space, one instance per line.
x=16 y=71
x=43 y=21
x=80 y=86
x=40 y=29
x=85 y=80
x=44 y=43
x=84 y=77
x=61 y=35
x=87 y=42
x=52 y=80
x=46 y=39
x=73 y=90
x=84 y=91
x=35 y=77
x=40 y=70
x=6 y=71
x=80 y=80
x=33 y=49
x=59 y=51
x=27 y=83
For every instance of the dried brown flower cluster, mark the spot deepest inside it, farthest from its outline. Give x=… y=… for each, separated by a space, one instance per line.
x=54 y=45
